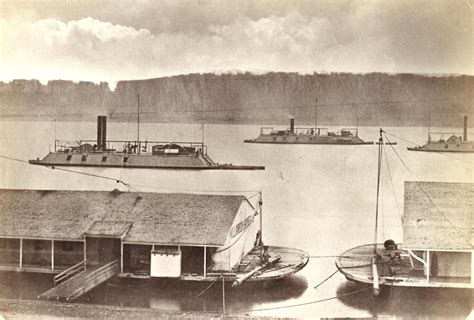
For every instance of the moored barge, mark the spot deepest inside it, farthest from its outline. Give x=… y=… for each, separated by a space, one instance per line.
x=87 y=237
x=438 y=244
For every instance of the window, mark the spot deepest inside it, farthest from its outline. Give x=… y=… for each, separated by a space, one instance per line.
x=84 y=158
x=104 y=158
x=69 y=158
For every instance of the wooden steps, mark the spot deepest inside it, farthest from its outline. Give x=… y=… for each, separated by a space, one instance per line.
x=81 y=282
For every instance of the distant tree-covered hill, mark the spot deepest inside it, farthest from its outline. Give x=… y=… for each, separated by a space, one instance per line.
x=341 y=99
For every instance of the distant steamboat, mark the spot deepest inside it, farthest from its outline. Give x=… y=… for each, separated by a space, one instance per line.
x=137 y=154
x=452 y=144
x=309 y=135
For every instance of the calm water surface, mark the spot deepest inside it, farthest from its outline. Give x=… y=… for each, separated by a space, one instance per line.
x=317 y=198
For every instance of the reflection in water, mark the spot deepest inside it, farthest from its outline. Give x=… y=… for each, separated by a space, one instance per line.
x=15 y=285
x=187 y=296
x=409 y=302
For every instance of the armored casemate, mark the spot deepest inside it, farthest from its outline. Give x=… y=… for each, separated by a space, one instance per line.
x=453 y=144
x=308 y=135
x=103 y=153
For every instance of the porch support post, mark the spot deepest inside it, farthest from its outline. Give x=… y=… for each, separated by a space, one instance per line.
x=472 y=267
x=52 y=254
x=85 y=252
x=428 y=267
x=260 y=206
x=205 y=262
x=121 y=256
x=223 y=294
x=21 y=253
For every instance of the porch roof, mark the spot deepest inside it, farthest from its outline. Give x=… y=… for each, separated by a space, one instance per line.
x=438 y=215
x=153 y=217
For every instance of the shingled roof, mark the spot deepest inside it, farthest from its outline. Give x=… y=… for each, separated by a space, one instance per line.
x=438 y=215
x=154 y=217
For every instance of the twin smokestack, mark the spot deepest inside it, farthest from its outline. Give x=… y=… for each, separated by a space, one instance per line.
x=102 y=132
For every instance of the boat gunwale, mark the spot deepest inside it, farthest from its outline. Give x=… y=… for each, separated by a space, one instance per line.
x=394 y=280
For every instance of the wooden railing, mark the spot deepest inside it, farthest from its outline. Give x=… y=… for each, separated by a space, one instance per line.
x=96 y=277
x=70 y=272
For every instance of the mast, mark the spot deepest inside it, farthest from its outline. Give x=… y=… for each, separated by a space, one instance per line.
x=202 y=137
x=429 y=126
x=357 y=126
x=375 y=274
x=464 y=138
x=316 y=115
x=379 y=168
x=138 y=118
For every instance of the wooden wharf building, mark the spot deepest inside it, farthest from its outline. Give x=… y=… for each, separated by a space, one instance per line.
x=131 y=234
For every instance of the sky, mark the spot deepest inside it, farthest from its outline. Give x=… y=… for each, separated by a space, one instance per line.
x=122 y=40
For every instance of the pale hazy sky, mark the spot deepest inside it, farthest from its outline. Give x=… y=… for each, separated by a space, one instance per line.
x=118 y=40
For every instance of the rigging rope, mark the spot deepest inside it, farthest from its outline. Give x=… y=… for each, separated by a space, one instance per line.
x=411 y=142
x=128 y=127
x=427 y=196
x=391 y=183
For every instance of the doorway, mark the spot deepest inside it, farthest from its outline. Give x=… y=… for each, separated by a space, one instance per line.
x=100 y=251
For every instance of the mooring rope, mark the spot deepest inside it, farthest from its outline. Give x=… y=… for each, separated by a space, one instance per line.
x=304 y=303
x=322 y=257
x=327 y=278
x=134 y=185
x=204 y=291
x=69 y=170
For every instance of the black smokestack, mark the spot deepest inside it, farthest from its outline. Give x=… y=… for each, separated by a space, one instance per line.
x=465 y=129
x=102 y=132
x=292 y=125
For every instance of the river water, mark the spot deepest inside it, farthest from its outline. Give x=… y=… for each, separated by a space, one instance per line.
x=317 y=198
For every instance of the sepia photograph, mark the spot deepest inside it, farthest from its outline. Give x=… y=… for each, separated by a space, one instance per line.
x=253 y=159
